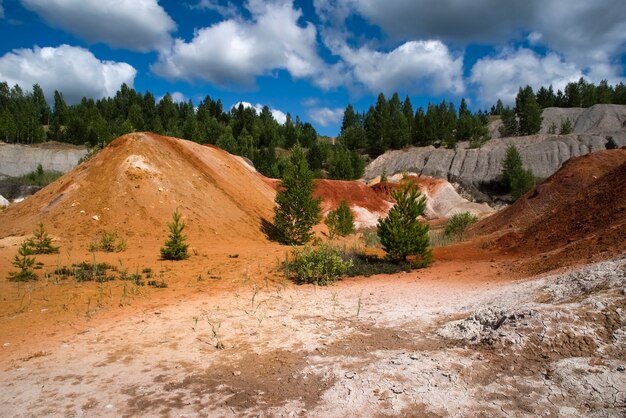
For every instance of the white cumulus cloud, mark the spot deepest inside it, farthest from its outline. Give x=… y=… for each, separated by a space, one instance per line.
x=413 y=67
x=325 y=116
x=279 y=115
x=74 y=71
x=140 y=25
x=500 y=77
x=590 y=34
x=235 y=51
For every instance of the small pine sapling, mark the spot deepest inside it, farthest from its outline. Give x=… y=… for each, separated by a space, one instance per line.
x=25 y=263
x=41 y=242
x=175 y=248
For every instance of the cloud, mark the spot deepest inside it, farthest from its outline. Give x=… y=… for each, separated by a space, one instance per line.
x=413 y=67
x=325 y=116
x=226 y=10
x=451 y=20
x=140 y=25
x=591 y=34
x=177 y=97
x=234 y=52
x=74 y=71
x=500 y=77
x=278 y=115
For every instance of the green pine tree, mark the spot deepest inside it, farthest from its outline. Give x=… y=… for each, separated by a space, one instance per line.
x=297 y=211
x=401 y=233
x=514 y=177
x=41 y=242
x=175 y=248
x=528 y=111
x=340 y=221
x=25 y=263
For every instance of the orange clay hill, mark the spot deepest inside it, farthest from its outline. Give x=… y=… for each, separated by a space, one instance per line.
x=134 y=185
x=576 y=216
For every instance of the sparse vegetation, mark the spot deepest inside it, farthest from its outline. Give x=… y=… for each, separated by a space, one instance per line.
x=458 y=223
x=25 y=263
x=108 y=242
x=401 y=233
x=92 y=272
x=340 y=221
x=38 y=177
x=175 y=248
x=566 y=127
x=320 y=265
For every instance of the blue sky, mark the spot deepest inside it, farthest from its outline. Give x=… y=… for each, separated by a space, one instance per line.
x=311 y=58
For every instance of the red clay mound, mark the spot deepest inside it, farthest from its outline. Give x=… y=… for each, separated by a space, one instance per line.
x=332 y=192
x=578 y=214
x=135 y=184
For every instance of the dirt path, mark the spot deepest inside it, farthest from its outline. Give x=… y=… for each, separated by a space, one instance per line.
x=384 y=346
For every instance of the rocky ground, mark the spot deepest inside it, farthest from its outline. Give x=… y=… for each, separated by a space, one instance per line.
x=427 y=343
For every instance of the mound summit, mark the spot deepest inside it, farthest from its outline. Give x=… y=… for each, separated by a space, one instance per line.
x=134 y=185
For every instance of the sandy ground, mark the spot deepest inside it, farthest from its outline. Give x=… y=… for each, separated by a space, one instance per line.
x=379 y=346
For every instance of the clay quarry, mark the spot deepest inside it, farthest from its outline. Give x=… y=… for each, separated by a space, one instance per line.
x=525 y=317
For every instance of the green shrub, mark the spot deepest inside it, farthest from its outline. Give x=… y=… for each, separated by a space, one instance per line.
x=340 y=221
x=25 y=263
x=90 y=272
x=175 y=248
x=458 y=223
x=108 y=242
x=369 y=265
x=321 y=265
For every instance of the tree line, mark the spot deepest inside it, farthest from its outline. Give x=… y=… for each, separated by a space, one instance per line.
x=26 y=117
x=392 y=124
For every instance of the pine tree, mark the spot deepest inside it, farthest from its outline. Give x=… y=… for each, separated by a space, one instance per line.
x=401 y=233
x=509 y=127
x=297 y=211
x=528 y=111
x=41 y=242
x=517 y=179
x=25 y=263
x=340 y=221
x=464 y=125
x=175 y=248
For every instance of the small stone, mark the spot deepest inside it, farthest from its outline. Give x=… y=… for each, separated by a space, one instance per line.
x=350 y=375
x=95 y=217
x=397 y=389
x=621 y=368
x=82 y=212
x=237 y=373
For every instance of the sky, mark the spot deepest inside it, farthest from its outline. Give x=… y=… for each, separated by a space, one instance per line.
x=311 y=57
